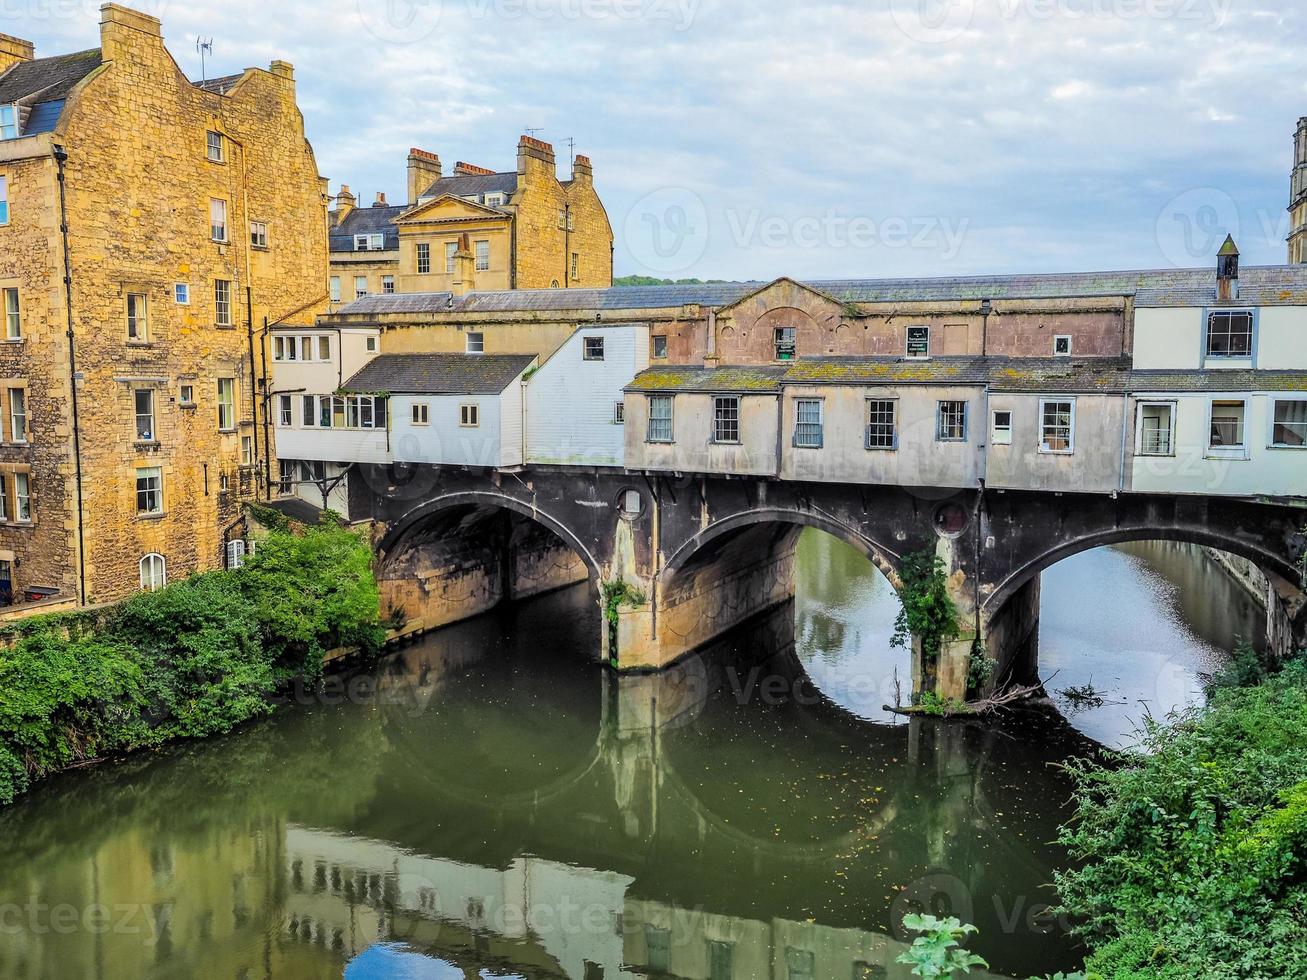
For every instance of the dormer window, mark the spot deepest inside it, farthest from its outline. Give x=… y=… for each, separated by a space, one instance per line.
x=369 y=243
x=495 y=200
x=918 y=342
x=8 y=122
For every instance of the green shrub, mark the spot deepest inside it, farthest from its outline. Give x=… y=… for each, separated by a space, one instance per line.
x=927 y=612
x=1195 y=851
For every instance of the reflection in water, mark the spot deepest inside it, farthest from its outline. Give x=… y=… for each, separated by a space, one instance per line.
x=489 y=803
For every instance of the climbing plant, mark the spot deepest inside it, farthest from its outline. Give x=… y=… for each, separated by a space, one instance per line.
x=927 y=612
x=617 y=594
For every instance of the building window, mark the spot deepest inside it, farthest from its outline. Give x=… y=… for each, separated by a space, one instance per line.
x=1062 y=346
x=218 y=219
x=660 y=418
x=365 y=412
x=285 y=475
x=137 y=320
x=1000 y=432
x=149 y=490
x=469 y=416
x=285 y=405
x=1057 y=428
x=13 y=314
x=720 y=955
x=1290 y=430
x=387 y=284
x=451 y=252
x=783 y=342
x=421 y=413
x=658 y=346
x=309 y=409
x=801 y=964
x=235 y=554
x=1228 y=425
x=18 y=414
x=619 y=413
x=951 y=422
x=259 y=234
x=474 y=343
x=1156 y=429
x=370 y=344
x=334 y=289
x=4 y=200
x=1230 y=334
x=4 y=498
x=144 y=414
x=154 y=570
x=882 y=427
x=222 y=302
x=495 y=200
x=370 y=243
x=918 y=342
x=807 y=423
x=658 y=949
x=214 y=141
x=181 y=293
x=726 y=419
x=360 y=286
x=483 y=256
x=424 y=258
x=594 y=348
x=247 y=450
x=576 y=264
x=188 y=394
x=226 y=403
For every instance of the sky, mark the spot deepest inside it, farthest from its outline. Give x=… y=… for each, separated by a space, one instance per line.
x=818 y=139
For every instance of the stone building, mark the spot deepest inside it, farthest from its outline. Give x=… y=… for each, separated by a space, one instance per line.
x=132 y=392
x=475 y=230
x=1298 y=197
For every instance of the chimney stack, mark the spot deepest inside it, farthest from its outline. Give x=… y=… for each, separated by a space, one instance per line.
x=464 y=267
x=1227 y=271
x=13 y=50
x=582 y=170
x=380 y=202
x=345 y=203
x=423 y=171
x=123 y=31
x=471 y=170
x=535 y=157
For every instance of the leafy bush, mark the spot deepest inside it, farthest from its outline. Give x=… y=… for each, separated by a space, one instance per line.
x=1196 y=851
x=191 y=660
x=937 y=950
x=927 y=612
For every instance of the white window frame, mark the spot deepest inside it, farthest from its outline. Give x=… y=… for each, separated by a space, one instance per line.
x=23 y=497
x=235 y=554
x=619 y=412
x=4 y=498
x=285 y=411
x=420 y=413
x=222 y=302
x=18 y=415
x=804 y=437
x=422 y=258
x=360 y=293
x=9 y=121
x=258 y=234
x=215 y=149
x=908 y=343
x=138 y=317
x=1239 y=451
x=370 y=344
x=218 y=218
x=333 y=289
x=247 y=450
x=469 y=415
x=495 y=200
x=1057 y=341
x=387 y=285
x=157 y=574
x=451 y=257
x=370 y=242
x=181 y=293
x=1172 y=409
x=654 y=346
x=13 y=305
x=1044 y=447
x=1228 y=315
x=1275 y=404
x=186 y=395
x=226 y=404
x=474 y=342
x=658 y=420
x=893 y=424
x=155 y=493
x=147 y=432
x=721 y=423
x=1000 y=435
x=576 y=266
x=482 y=255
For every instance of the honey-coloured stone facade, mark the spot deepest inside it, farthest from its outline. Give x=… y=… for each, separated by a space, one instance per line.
x=167 y=312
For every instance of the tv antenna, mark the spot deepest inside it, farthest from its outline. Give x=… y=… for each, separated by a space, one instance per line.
x=571 y=150
x=203 y=46
x=530 y=131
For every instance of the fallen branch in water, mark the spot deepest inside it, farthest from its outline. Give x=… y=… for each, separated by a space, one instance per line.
x=933 y=706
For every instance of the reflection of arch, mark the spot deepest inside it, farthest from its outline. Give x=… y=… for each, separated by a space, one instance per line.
x=1266 y=560
x=883 y=558
x=403 y=526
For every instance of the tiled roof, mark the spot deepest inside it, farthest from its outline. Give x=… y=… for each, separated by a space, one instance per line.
x=47 y=79
x=367 y=221
x=297 y=509
x=440 y=374
x=219 y=86
x=1002 y=374
x=466 y=185
x=1264 y=285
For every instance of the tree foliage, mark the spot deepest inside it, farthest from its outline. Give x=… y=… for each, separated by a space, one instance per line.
x=927 y=613
x=191 y=660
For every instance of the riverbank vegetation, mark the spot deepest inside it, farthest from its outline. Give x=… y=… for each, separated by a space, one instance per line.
x=194 y=659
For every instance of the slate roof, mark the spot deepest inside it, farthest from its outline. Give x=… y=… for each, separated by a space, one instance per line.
x=440 y=374
x=367 y=221
x=297 y=509
x=1259 y=285
x=47 y=78
x=1108 y=375
x=467 y=185
x=219 y=86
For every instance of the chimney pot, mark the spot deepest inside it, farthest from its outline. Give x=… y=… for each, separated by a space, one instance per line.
x=380 y=202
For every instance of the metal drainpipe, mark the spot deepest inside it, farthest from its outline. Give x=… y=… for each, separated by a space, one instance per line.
x=254 y=395
x=267 y=434
x=61 y=157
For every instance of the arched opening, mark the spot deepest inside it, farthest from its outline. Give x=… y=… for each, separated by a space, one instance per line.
x=467 y=554
x=1136 y=624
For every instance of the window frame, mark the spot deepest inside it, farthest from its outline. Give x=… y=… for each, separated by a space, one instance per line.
x=1045 y=447
x=146 y=493
x=247 y=450
x=259 y=234
x=422 y=258
x=451 y=258
x=420 y=413
x=13 y=310
x=469 y=415
x=22 y=497
x=1208 y=333
x=333 y=289
x=722 y=423
x=1000 y=435
x=186 y=395
x=149 y=435
x=4 y=199
x=893 y=445
x=156 y=582
x=655 y=347
x=656 y=420
x=801 y=426
x=285 y=411
x=478 y=252
x=360 y=293
x=17 y=429
x=222 y=307
x=474 y=342
x=1235 y=450
x=215 y=151
x=1276 y=423
x=226 y=404
x=780 y=345
x=387 y=285
x=575 y=266
x=940 y=415
x=592 y=347
x=138 y=321
x=10 y=110
x=908 y=343
x=181 y=293
x=1172 y=410
x=1070 y=345
x=219 y=209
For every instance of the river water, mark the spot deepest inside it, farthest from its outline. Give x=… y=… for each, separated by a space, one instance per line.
x=490 y=804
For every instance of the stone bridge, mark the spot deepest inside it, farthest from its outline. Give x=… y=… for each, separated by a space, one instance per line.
x=709 y=553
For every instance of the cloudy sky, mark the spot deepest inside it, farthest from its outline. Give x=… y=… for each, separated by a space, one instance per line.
x=821 y=139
